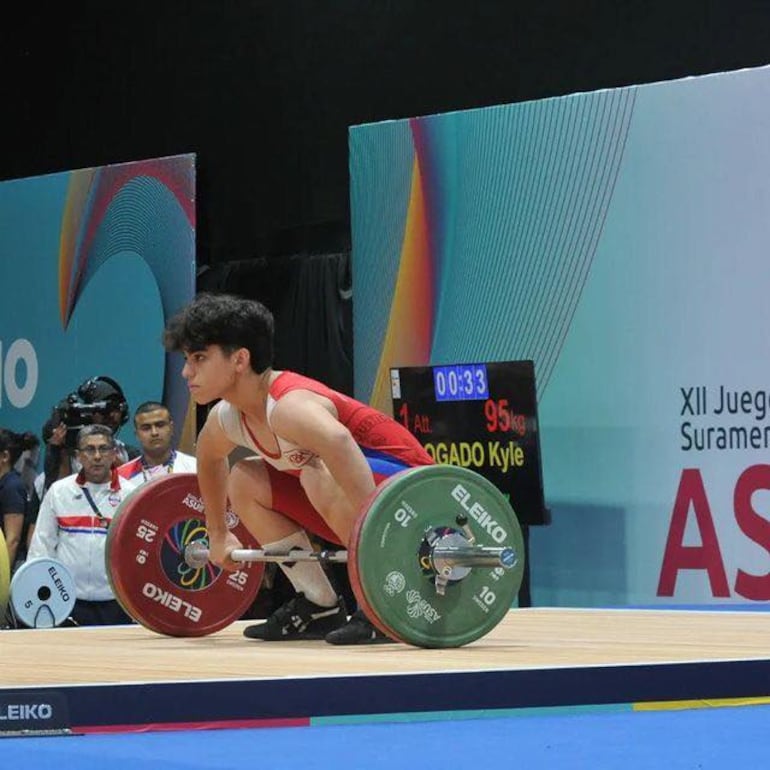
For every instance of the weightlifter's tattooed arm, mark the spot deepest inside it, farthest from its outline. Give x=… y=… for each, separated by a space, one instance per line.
x=212 y=450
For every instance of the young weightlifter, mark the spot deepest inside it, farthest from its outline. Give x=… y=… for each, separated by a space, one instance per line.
x=318 y=456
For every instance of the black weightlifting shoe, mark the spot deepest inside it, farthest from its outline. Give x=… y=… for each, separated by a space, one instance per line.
x=299 y=619
x=358 y=630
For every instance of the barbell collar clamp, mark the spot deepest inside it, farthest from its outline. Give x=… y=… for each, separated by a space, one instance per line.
x=474 y=556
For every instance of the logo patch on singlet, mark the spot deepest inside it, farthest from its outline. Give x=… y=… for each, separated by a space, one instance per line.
x=298 y=457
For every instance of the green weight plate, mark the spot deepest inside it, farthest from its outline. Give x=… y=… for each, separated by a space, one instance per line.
x=389 y=556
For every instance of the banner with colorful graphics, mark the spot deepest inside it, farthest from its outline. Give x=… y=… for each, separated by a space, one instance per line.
x=92 y=262
x=621 y=240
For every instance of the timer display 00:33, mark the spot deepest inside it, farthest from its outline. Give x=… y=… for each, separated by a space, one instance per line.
x=461 y=382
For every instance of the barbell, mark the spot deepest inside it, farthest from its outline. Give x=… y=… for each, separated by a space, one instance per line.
x=436 y=558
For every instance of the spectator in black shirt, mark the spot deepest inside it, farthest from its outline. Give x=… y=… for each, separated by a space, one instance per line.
x=14 y=496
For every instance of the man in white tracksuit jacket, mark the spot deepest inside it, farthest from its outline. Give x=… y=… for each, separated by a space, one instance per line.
x=72 y=526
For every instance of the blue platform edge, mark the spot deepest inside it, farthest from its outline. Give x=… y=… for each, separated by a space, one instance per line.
x=393 y=697
x=725 y=607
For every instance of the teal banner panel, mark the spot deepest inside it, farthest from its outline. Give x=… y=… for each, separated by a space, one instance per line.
x=620 y=240
x=92 y=262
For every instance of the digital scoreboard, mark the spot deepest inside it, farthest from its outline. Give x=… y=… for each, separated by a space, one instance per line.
x=482 y=417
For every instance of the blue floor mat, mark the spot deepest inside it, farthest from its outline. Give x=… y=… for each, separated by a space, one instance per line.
x=694 y=739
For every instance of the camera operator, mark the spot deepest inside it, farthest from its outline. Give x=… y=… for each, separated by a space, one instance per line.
x=98 y=401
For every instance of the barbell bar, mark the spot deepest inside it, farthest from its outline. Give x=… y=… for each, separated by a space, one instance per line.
x=196 y=554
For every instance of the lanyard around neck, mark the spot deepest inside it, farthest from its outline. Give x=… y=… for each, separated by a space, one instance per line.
x=168 y=465
x=103 y=520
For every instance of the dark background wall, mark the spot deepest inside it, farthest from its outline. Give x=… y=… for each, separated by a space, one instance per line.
x=264 y=90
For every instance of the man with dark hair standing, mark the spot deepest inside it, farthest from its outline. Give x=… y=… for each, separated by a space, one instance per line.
x=154 y=430
x=72 y=525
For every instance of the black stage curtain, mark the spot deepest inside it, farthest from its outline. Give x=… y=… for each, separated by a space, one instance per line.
x=311 y=299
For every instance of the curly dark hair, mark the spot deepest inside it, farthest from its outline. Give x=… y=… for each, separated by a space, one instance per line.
x=225 y=320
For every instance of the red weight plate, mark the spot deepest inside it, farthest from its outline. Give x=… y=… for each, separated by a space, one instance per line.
x=145 y=561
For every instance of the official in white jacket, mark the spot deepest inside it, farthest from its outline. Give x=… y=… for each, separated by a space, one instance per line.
x=72 y=526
